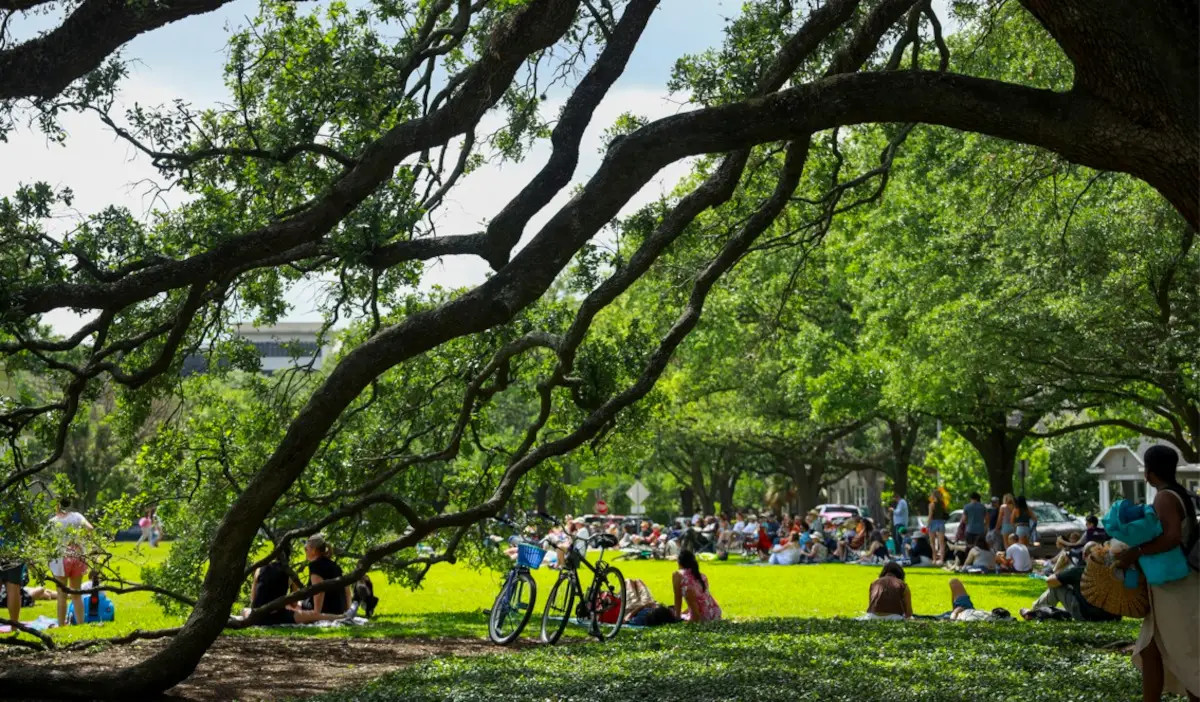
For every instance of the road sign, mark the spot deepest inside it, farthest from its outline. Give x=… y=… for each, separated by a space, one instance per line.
x=637 y=495
x=601 y=507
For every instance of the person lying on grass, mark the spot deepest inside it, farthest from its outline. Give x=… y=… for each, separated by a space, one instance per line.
x=889 y=596
x=692 y=587
x=274 y=580
x=964 y=609
x=980 y=559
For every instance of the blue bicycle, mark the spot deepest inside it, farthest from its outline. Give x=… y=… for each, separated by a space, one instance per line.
x=518 y=594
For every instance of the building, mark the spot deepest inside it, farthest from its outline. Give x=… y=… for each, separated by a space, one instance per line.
x=288 y=345
x=1121 y=474
x=284 y=345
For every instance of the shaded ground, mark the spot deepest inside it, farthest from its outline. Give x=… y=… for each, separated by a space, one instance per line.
x=273 y=668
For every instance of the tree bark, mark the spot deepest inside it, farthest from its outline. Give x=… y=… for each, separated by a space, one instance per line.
x=997 y=445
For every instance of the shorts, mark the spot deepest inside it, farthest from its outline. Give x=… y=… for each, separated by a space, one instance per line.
x=1007 y=528
x=963 y=601
x=68 y=567
x=937 y=525
x=12 y=573
x=1023 y=530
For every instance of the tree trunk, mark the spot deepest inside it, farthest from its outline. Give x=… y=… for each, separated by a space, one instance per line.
x=806 y=480
x=687 y=501
x=724 y=484
x=904 y=443
x=874 y=494
x=702 y=492
x=997 y=445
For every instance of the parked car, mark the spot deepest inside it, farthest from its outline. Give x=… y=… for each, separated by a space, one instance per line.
x=1052 y=523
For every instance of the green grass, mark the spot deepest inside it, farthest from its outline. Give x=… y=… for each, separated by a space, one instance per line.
x=787 y=635
x=452 y=598
x=788 y=659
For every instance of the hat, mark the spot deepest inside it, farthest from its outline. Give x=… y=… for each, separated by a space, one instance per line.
x=1103 y=586
x=995 y=498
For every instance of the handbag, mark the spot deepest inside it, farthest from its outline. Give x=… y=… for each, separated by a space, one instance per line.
x=1104 y=586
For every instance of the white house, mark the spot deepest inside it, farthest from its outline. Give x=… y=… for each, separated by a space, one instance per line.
x=1122 y=474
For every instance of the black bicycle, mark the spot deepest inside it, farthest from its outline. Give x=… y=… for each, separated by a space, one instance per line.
x=603 y=607
x=518 y=594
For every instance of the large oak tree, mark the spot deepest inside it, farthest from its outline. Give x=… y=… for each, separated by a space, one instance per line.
x=344 y=133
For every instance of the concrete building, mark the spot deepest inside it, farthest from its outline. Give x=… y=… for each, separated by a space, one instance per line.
x=1121 y=474
x=284 y=345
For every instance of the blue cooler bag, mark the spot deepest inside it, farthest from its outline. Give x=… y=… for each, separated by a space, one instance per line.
x=1136 y=525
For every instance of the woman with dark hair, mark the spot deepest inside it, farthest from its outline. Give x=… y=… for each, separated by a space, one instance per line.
x=1168 y=647
x=1021 y=518
x=691 y=586
x=890 y=597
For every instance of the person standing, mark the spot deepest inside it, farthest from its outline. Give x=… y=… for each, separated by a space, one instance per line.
x=1007 y=529
x=937 y=527
x=69 y=568
x=995 y=540
x=899 y=511
x=975 y=515
x=12 y=566
x=1022 y=519
x=1168 y=647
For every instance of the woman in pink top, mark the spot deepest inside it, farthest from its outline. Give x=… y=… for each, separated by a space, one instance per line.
x=692 y=587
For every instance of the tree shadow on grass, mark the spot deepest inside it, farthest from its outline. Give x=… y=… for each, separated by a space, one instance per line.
x=790 y=659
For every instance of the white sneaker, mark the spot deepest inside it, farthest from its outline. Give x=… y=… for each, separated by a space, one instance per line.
x=352 y=612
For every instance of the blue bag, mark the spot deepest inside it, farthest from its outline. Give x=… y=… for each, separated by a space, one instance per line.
x=102 y=610
x=1136 y=525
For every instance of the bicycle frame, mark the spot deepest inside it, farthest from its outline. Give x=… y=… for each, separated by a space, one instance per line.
x=571 y=569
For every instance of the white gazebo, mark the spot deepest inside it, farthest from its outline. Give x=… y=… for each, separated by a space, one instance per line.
x=1122 y=474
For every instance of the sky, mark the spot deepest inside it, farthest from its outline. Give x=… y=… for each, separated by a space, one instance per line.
x=185 y=60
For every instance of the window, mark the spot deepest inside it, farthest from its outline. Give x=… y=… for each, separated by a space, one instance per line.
x=1193 y=485
x=287 y=349
x=1047 y=514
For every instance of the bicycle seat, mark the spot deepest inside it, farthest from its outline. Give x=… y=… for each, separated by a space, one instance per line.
x=605 y=540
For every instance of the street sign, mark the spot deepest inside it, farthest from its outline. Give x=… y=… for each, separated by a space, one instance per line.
x=637 y=495
x=601 y=507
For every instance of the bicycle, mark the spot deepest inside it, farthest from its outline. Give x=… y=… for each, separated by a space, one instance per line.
x=518 y=594
x=607 y=584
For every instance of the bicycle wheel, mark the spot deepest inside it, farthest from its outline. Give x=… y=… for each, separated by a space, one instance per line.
x=612 y=582
x=558 y=610
x=512 y=608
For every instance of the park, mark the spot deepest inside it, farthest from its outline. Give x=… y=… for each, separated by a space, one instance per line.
x=626 y=349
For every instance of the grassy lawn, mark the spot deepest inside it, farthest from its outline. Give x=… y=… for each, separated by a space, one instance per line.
x=787 y=636
x=451 y=601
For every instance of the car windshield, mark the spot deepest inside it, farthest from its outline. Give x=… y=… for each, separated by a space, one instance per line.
x=1048 y=513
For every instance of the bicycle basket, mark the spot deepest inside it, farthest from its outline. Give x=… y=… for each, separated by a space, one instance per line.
x=530 y=556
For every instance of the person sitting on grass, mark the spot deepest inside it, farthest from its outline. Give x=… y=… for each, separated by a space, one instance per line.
x=889 y=596
x=275 y=580
x=1064 y=588
x=691 y=586
x=786 y=553
x=1016 y=559
x=321 y=568
x=981 y=557
x=818 y=550
x=920 y=554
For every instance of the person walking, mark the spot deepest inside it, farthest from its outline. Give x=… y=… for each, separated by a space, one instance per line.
x=69 y=568
x=1168 y=646
x=994 y=538
x=899 y=510
x=1007 y=529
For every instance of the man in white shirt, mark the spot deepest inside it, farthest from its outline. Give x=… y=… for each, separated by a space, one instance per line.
x=740 y=524
x=751 y=528
x=899 y=519
x=1018 y=556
